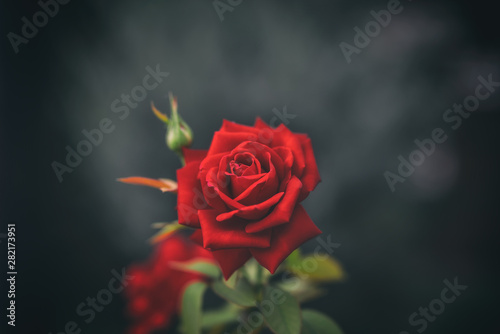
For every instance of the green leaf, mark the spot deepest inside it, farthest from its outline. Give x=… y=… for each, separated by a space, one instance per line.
x=192 y=301
x=217 y=330
x=319 y=268
x=241 y=296
x=244 y=286
x=281 y=311
x=314 y=322
x=201 y=266
x=294 y=258
x=224 y=315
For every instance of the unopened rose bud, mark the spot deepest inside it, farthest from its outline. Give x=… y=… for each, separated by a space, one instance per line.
x=179 y=134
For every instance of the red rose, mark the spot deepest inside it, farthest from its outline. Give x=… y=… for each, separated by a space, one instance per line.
x=243 y=194
x=154 y=293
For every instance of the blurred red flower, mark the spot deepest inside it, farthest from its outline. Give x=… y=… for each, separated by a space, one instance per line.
x=155 y=292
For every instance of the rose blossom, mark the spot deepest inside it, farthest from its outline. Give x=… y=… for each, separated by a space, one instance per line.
x=243 y=194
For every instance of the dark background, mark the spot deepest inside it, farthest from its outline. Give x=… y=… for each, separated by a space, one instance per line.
x=397 y=247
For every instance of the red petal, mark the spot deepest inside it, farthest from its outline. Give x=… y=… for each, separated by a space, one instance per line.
x=260 y=124
x=212 y=181
x=282 y=212
x=212 y=161
x=193 y=155
x=262 y=189
x=229 y=234
x=268 y=185
x=231 y=260
x=189 y=195
x=285 y=239
x=262 y=152
x=230 y=126
x=227 y=141
x=241 y=183
x=284 y=137
x=287 y=157
x=311 y=176
x=197 y=237
x=251 y=212
x=213 y=187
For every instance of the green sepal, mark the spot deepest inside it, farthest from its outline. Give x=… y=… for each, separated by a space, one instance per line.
x=222 y=316
x=281 y=311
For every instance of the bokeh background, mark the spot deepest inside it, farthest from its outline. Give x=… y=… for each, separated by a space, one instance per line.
x=397 y=247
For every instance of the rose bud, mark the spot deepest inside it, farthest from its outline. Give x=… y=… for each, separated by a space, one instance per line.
x=179 y=134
